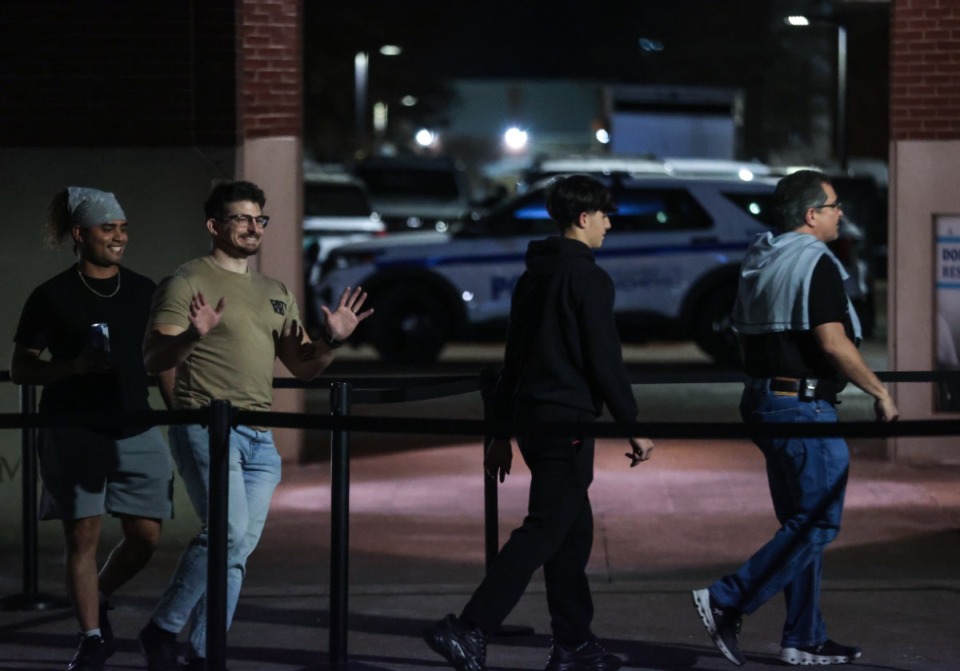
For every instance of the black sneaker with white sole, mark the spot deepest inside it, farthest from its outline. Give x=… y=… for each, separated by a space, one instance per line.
x=723 y=625
x=828 y=652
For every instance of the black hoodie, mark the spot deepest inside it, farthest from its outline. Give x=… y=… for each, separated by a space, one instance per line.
x=562 y=343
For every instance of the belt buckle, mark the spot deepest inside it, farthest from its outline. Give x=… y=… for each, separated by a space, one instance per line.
x=808 y=389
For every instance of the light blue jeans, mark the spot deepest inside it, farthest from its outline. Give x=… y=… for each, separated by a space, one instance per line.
x=254 y=474
x=808 y=480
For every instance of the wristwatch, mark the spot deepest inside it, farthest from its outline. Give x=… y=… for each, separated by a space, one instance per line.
x=330 y=341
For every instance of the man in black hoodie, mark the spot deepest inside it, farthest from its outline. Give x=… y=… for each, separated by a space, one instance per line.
x=562 y=363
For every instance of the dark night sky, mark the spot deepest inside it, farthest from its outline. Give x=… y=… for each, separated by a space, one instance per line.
x=717 y=43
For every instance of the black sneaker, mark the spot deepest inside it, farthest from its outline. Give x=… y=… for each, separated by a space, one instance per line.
x=586 y=656
x=723 y=625
x=159 y=647
x=91 y=654
x=828 y=652
x=464 y=646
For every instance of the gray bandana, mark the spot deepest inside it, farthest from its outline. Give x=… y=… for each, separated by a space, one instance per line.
x=91 y=207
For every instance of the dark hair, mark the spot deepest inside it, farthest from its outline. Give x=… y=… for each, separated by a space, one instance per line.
x=57 y=227
x=568 y=196
x=795 y=194
x=225 y=193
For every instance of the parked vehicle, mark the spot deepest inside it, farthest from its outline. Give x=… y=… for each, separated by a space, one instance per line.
x=336 y=211
x=415 y=193
x=673 y=253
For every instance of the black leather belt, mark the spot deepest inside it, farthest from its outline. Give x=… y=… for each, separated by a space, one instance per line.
x=804 y=387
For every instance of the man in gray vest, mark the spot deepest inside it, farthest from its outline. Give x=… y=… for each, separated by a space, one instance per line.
x=799 y=334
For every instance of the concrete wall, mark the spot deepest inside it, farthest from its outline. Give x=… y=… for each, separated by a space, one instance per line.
x=924 y=184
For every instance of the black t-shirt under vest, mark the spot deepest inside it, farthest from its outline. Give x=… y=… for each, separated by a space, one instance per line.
x=796 y=353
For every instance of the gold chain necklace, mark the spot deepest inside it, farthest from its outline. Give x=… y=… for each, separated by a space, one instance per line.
x=110 y=295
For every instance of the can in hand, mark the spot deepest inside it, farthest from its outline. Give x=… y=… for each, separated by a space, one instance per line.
x=100 y=337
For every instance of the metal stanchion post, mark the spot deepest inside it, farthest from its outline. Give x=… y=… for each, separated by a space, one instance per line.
x=31 y=598
x=491 y=513
x=217 y=511
x=339 y=524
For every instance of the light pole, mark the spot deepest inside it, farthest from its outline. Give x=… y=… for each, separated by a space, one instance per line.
x=840 y=120
x=361 y=66
x=361 y=76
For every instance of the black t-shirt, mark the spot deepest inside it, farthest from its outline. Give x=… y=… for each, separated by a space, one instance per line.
x=57 y=317
x=796 y=353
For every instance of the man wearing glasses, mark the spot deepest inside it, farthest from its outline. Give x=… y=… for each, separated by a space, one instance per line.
x=225 y=349
x=798 y=334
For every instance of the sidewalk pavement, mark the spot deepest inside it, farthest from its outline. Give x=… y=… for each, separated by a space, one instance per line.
x=675 y=523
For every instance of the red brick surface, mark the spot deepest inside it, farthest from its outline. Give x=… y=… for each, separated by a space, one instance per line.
x=925 y=70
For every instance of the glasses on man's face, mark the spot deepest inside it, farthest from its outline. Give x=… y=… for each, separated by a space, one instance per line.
x=837 y=205
x=246 y=220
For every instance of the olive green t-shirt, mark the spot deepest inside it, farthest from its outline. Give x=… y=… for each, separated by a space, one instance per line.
x=234 y=362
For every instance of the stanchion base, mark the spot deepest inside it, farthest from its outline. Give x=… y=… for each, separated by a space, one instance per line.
x=513 y=630
x=33 y=602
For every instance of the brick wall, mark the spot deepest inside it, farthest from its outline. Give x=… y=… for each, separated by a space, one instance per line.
x=271 y=67
x=925 y=70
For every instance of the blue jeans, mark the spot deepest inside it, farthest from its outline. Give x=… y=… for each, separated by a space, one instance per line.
x=808 y=478
x=254 y=474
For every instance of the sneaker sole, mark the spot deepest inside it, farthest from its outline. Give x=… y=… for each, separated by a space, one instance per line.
x=701 y=599
x=795 y=657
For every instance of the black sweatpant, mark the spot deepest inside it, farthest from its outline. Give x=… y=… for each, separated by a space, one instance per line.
x=557 y=534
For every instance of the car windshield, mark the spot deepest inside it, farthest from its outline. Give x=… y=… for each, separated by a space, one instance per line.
x=410 y=183
x=757 y=205
x=335 y=200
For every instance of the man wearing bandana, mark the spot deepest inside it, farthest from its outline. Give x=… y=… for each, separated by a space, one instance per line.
x=104 y=468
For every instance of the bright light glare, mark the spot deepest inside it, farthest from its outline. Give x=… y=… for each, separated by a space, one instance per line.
x=425 y=137
x=754 y=208
x=391 y=50
x=467 y=296
x=797 y=21
x=603 y=137
x=408 y=101
x=515 y=139
x=745 y=174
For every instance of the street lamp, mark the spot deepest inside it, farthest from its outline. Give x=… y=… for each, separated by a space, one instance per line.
x=840 y=122
x=361 y=73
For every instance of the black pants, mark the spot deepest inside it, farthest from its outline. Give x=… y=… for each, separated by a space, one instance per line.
x=557 y=534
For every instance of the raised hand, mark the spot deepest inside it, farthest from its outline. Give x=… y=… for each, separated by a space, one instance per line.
x=343 y=321
x=204 y=318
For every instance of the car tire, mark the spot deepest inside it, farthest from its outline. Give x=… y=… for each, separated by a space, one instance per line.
x=713 y=326
x=409 y=325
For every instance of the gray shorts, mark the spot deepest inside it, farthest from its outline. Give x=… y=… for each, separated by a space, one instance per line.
x=87 y=474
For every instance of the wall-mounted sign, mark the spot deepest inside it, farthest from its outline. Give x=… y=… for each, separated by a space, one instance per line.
x=948 y=308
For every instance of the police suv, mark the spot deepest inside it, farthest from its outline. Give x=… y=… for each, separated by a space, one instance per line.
x=673 y=253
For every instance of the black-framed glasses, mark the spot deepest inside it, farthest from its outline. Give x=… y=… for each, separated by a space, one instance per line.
x=247 y=219
x=837 y=205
